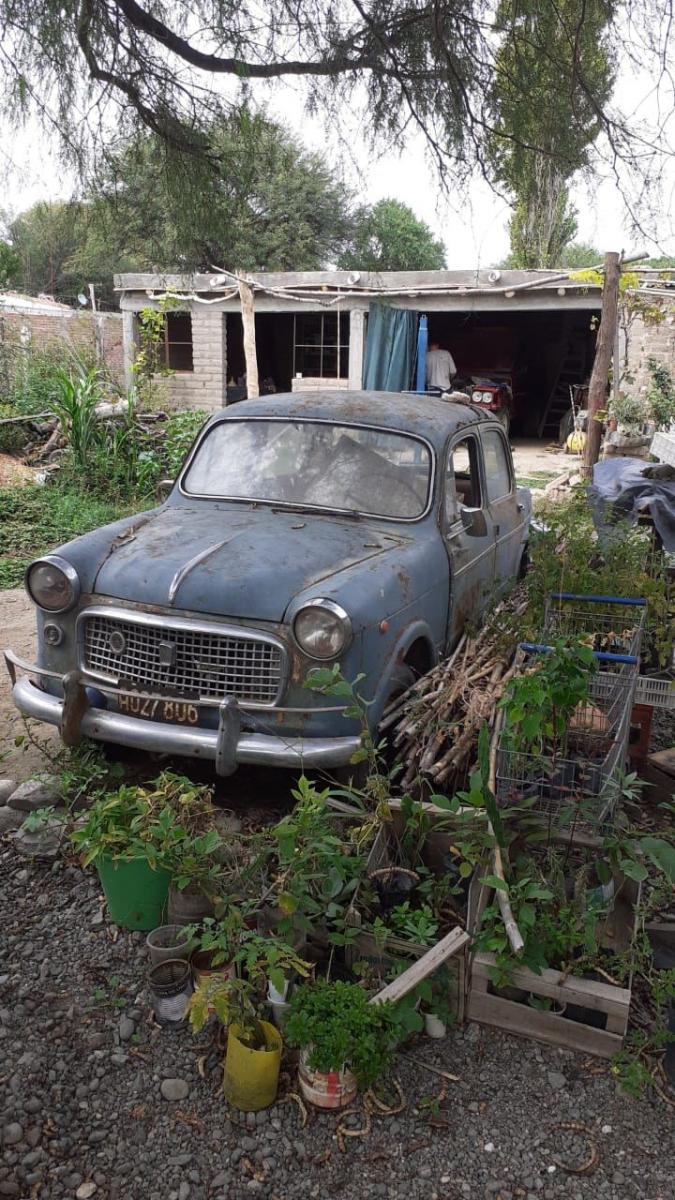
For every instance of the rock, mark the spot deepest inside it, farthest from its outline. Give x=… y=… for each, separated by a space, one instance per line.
x=556 y=1080
x=10 y=820
x=174 y=1089
x=40 y=843
x=184 y=1191
x=86 y=1190
x=42 y=792
x=118 y=1060
x=7 y=787
x=12 y=1133
x=126 y=1029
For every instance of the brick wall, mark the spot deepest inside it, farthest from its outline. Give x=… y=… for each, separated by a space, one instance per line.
x=647 y=341
x=86 y=331
x=204 y=386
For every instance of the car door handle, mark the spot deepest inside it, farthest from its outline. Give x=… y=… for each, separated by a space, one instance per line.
x=521 y=507
x=496 y=530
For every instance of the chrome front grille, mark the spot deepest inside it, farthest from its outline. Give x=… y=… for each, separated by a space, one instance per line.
x=181 y=658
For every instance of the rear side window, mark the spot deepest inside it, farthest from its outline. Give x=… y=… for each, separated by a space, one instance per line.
x=498 y=479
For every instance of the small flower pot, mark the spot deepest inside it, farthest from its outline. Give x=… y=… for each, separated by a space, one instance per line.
x=189 y=906
x=135 y=893
x=556 y=1008
x=279 y=1006
x=203 y=969
x=326 y=1089
x=170 y=990
x=251 y=1077
x=393 y=885
x=168 y=941
x=433 y=1026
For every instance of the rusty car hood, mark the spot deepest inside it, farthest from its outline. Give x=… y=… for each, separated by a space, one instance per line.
x=234 y=561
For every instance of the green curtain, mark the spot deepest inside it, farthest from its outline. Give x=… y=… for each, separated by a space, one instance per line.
x=390 y=349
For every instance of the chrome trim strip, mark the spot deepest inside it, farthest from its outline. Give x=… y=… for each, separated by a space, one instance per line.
x=314 y=508
x=187 y=740
x=169 y=622
x=183 y=572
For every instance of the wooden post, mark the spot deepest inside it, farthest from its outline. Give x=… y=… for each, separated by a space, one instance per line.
x=248 y=322
x=597 y=389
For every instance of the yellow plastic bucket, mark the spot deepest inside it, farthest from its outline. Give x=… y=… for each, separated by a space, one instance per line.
x=252 y=1076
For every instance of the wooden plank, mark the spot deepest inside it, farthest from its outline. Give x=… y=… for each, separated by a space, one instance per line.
x=524 y=1021
x=426 y=965
x=587 y=993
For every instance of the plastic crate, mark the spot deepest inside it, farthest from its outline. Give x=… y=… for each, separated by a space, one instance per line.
x=663 y=447
x=659 y=693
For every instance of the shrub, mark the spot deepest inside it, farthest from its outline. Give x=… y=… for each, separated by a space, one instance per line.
x=337 y=1027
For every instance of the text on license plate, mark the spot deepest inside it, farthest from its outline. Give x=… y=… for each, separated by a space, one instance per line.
x=179 y=711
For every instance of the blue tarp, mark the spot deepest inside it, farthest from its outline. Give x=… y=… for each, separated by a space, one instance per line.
x=390 y=349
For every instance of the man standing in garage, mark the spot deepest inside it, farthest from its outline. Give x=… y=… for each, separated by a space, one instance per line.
x=440 y=368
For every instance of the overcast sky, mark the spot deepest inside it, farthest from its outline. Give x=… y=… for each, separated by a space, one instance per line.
x=471 y=221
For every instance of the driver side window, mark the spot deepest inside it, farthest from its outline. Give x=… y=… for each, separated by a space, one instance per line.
x=462 y=480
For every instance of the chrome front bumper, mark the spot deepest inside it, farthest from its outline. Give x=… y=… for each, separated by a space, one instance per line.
x=227 y=746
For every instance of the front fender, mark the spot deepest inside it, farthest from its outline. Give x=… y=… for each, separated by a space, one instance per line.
x=417 y=630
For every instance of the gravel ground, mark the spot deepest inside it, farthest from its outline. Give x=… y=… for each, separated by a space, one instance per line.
x=84 y=1077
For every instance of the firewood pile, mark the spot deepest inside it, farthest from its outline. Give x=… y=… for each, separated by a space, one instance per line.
x=434 y=726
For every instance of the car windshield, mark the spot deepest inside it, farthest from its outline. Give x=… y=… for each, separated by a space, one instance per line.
x=313 y=463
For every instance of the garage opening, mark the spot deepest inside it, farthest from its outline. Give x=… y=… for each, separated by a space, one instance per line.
x=543 y=357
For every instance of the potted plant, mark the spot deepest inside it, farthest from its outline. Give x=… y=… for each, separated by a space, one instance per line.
x=140 y=838
x=169 y=942
x=345 y=1041
x=215 y=944
x=253 y=1055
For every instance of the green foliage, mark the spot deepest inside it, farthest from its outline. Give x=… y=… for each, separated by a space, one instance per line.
x=44 y=239
x=566 y=557
x=10 y=264
x=629 y=412
x=36 y=519
x=414 y=924
x=181 y=431
x=539 y=703
x=661 y=394
x=76 y=394
x=42 y=817
x=337 y=1027
x=547 y=114
x=167 y=824
x=317 y=872
x=389 y=237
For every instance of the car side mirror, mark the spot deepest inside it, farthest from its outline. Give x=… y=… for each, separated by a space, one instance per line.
x=163 y=490
x=473 y=520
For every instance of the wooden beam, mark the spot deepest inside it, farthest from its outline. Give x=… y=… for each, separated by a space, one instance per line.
x=604 y=350
x=426 y=965
x=248 y=323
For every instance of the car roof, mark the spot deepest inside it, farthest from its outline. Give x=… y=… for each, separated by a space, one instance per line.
x=427 y=416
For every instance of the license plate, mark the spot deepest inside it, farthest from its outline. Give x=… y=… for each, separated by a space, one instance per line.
x=175 y=712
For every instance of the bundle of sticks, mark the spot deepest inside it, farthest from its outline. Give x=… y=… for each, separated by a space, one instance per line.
x=434 y=726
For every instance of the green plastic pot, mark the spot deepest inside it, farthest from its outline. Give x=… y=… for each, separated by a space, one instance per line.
x=136 y=895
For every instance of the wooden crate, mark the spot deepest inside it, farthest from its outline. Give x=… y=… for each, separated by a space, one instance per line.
x=520 y=1018
x=395 y=950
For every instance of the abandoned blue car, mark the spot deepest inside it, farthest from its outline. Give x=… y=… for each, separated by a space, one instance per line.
x=359 y=528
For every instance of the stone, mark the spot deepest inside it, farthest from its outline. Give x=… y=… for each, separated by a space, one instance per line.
x=556 y=1080
x=184 y=1191
x=7 y=787
x=174 y=1089
x=10 y=820
x=126 y=1029
x=40 y=843
x=43 y=791
x=12 y=1133
x=86 y=1190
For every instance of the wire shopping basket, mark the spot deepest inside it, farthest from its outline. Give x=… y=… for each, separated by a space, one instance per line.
x=578 y=779
x=615 y=624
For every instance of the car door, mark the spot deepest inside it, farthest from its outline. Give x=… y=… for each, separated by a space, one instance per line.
x=507 y=512
x=467 y=532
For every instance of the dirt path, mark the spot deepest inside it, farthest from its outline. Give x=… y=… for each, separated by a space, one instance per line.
x=17 y=631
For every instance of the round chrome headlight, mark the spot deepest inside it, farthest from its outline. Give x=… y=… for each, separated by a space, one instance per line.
x=322 y=629
x=52 y=583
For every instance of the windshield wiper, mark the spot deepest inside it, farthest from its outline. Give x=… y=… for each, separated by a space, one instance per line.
x=319 y=510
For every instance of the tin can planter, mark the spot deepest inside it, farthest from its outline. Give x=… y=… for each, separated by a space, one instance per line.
x=170 y=989
x=135 y=894
x=278 y=1003
x=201 y=962
x=326 y=1089
x=251 y=1077
x=189 y=906
x=168 y=941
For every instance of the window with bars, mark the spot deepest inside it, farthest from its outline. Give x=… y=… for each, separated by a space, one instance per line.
x=175 y=352
x=321 y=345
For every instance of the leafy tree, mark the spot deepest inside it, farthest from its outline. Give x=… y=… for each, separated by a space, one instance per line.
x=43 y=240
x=270 y=205
x=434 y=66
x=10 y=264
x=552 y=122
x=580 y=254
x=389 y=237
